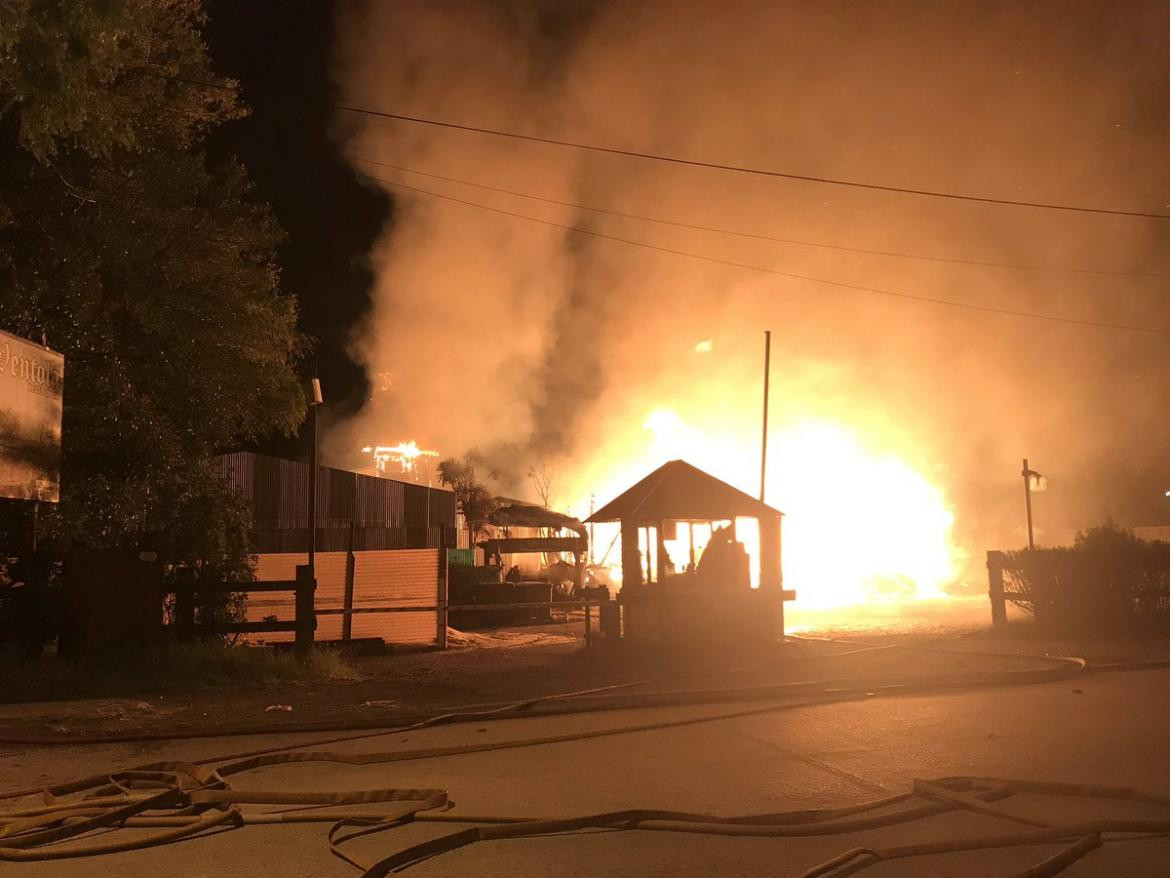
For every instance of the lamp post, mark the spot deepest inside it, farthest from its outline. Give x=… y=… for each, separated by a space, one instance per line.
x=1033 y=481
x=315 y=399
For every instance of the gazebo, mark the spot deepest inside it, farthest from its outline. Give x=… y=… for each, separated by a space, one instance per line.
x=711 y=596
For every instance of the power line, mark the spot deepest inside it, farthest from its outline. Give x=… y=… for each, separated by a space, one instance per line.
x=678 y=160
x=1007 y=312
x=742 y=169
x=761 y=237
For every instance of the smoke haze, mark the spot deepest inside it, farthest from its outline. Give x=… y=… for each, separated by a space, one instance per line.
x=534 y=342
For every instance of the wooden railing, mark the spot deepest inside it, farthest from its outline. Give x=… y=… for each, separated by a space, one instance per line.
x=193 y=593
x=444 y=609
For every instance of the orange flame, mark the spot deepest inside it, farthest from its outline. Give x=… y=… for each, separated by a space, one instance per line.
x=860 y=526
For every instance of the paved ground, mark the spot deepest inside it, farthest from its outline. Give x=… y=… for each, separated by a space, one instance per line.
x=1107 y=728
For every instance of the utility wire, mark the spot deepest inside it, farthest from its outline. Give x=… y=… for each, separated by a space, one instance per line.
x=677 y=160
x=1008 y=312
x=742 y=169
x=758 y=236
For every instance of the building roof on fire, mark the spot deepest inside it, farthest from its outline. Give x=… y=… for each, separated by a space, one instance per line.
x=679 y=491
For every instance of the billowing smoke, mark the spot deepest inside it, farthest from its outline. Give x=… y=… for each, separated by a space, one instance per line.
x=550 y=341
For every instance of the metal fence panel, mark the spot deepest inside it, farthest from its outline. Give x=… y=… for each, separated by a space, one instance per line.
x=395 y=578
x=386 y=514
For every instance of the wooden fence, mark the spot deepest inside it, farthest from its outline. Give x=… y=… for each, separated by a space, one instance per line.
x=398 y=596
x=363 y=595
x=193 y=593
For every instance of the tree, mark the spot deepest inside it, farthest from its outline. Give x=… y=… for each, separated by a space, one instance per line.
x=543 y=477
x=150 y=268
x=109 y=76
x=474 y=500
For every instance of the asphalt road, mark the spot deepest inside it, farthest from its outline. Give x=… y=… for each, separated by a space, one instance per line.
x=1108 y=728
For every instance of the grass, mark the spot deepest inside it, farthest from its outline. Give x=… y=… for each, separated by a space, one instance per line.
x=169 y=669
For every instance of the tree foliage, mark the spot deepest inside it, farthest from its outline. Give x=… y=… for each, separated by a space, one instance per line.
x=1108 y=581
x=104 y=76
x=150 y=268
x=475 y=501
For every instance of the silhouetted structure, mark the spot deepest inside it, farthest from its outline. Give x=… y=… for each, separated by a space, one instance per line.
x=710 y=597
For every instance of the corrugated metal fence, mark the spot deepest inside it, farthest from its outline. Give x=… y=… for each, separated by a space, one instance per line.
x=395 y=530
x=391 y=578
x=385 y=514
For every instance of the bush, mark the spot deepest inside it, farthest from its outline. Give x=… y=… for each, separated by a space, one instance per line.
x=1109 y=580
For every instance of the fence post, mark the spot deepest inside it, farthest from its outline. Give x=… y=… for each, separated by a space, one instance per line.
x=350 y=569
x=185 y=605
x=306 y=614
x=443 y=589
x=995 y=588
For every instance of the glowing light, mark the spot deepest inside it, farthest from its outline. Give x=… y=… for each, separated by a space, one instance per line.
x=860 y=526
x=406 y=456
x=705 y=346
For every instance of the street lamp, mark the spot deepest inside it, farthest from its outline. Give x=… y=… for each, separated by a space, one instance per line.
x=315 y=399
x=1033 y=481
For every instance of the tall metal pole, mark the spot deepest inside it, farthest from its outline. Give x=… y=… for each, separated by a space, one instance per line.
x=315 y=400
x=592 y=509
x=1028 y=501
x=313 y=490
x=764 y=441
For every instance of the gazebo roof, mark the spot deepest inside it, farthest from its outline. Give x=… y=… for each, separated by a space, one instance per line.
x=679 y=491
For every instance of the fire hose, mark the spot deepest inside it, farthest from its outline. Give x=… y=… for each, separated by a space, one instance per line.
x=180 y=799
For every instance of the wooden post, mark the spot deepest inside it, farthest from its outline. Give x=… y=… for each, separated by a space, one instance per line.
x=185 y=605
x=649 y=569
x=771 y=579
x=995 y=588
x=306 y=614
x=588 y=625
x=631 y=554
x=443 y=596
x=660 y=549
x=350 y=570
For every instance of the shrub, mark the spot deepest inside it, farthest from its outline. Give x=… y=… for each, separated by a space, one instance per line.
x=1109 y=580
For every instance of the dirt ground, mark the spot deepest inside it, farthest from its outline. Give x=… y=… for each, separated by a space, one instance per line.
x=522 y=663
x=510 y=664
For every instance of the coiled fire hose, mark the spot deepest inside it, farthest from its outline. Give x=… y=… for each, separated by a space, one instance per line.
x=179 y=799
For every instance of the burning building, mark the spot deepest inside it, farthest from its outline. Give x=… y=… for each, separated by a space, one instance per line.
x=404 y=459
x=706 y=596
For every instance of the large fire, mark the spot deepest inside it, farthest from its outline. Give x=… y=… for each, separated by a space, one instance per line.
x=860 y=526
x=403 y=458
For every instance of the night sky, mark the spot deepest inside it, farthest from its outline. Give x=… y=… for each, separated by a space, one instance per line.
x=279 y=51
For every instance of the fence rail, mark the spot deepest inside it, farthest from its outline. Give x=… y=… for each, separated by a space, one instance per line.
x=444 y=609
x=998 y=563
x=466 y=608
x=192 y=593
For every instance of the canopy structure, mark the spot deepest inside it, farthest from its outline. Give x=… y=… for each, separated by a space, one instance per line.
x=520 y=513
x=677 y=491
x=712 y=599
